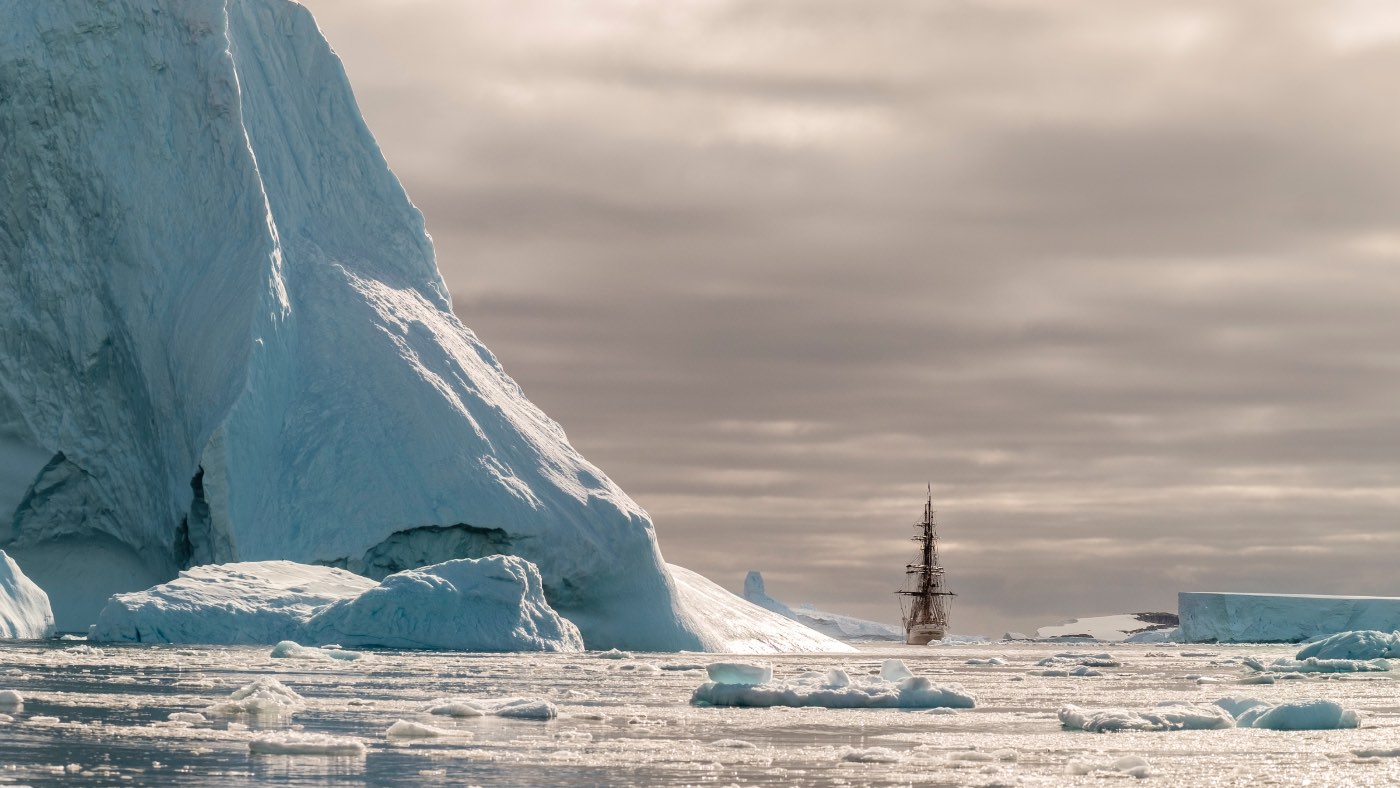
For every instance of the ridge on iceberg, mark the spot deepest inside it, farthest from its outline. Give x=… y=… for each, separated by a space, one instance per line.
x=24 y=607
x=490 y=604
x=834 y=625
x=224 y=337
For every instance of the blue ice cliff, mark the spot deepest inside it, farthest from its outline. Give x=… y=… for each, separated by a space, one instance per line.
x=224 y=337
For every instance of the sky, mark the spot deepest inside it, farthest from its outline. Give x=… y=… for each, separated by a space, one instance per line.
x=1120 y=280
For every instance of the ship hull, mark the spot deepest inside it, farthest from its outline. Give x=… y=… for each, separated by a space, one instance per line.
x=923 y=634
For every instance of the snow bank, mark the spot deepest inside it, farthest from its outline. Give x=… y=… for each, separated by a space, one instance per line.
x=24 y=607
x=490 y=604
x=1115 y=628
x=837 y=690
x=1210 y=617
x=730 y=625
x=834 y=625
x=279 y=319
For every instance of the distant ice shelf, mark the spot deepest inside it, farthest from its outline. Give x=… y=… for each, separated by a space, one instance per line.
x=1119 y=627
x=835 y=625
x=1224 y=617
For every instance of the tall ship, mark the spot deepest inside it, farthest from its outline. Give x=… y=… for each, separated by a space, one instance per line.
x=925 y=599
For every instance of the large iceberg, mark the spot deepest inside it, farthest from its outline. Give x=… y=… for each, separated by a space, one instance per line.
x=1212 y=617
x=24 y=607
x=835 y=625
x=224 y=337
x=488 y=604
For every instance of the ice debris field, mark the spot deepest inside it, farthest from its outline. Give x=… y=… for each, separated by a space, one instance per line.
x=978 y=713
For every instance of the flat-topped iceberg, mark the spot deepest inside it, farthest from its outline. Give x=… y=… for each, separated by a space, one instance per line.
x=489 y=604
x=1215 y=617
x=24 y=607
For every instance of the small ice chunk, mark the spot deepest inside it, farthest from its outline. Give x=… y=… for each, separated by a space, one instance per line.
x=745 y=673
x=299 y=743
x=1318 y=665
x=1130 y=765
x=455 y=708
x=837 y=678
x=403 y=729
x=613 y=653
x=527 y=709
x=192 y=717
x=895 y=670
x=290 y=649
x=11 y=700
x=870 y=755
x=987 y=661
x=733 y=744
x=1237 y=705
x=264 y=697
x=1303 y=715
x=1172 y=718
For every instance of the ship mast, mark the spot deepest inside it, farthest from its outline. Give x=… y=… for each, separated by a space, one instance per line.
x=928 y=608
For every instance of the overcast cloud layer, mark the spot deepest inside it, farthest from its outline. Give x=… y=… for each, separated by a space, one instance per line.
x=1121 y=279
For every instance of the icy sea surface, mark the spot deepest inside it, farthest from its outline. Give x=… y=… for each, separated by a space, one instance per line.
x=102 y=715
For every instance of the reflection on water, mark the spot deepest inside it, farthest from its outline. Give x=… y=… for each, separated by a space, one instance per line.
x=100 y=715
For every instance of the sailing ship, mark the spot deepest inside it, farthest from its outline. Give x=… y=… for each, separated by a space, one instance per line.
x=924 y=601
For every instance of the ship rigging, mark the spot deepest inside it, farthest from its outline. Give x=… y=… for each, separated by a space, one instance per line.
x=924 y=602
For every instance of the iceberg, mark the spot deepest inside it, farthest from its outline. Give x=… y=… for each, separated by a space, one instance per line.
x=834 y=625
x=488 y=604
x=24 y=607
x=224 y=337
x=1214 y=617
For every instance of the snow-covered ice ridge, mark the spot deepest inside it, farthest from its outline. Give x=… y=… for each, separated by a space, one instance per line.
x=834 y=624
x=1216 y=617
x=224 y=336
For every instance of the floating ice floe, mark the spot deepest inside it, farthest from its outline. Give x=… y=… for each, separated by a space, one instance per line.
x=11 y=700
x=836 y=689
x=299 y=743
x=870 y=755
x=1129 y=765
x=512 y=708
x=1082 y=671
x=290 y=649
x=264 y=697
x=404 y=729
x=739 y=673
x=988 y=661
x=24 y=607
x=1228 y=712
x=1168 y=718
x=1076 y=658
x=1284 y=665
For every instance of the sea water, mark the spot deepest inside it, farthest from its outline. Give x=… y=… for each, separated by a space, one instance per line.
x=101 y=715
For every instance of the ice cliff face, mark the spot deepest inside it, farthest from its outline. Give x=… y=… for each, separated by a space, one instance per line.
x=223 y=335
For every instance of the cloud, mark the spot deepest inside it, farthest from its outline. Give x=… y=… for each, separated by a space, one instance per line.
x=1119 y=280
